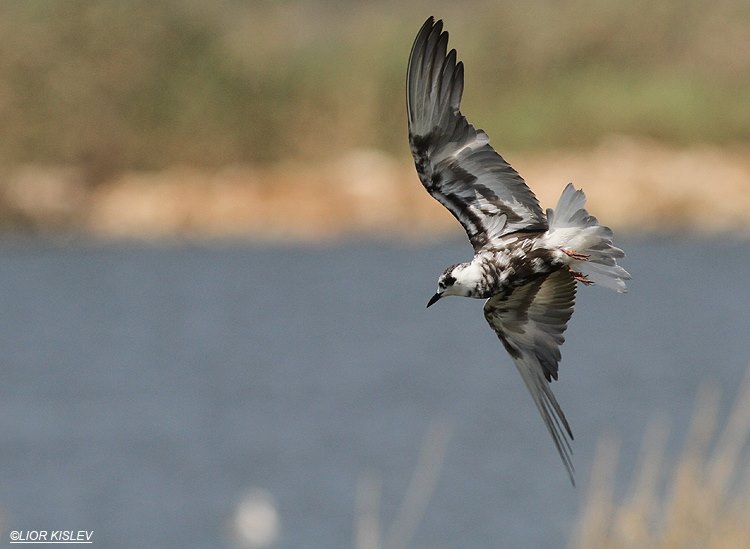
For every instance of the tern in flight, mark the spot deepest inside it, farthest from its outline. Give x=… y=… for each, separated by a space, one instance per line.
x=526 y=262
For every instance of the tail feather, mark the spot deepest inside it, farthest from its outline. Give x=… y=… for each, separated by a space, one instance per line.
x=573 y=229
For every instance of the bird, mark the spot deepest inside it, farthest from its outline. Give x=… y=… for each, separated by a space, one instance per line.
x=527 y=262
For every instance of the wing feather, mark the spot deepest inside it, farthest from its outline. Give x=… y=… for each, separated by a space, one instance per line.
x=530 y=322
x=455 y=161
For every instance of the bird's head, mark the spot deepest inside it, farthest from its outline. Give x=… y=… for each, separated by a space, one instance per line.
x=456 y=280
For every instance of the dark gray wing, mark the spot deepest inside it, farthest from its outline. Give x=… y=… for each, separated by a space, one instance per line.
x=455 y=162
x=530 y=322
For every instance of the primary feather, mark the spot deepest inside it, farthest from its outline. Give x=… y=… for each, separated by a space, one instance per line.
x=455 y=161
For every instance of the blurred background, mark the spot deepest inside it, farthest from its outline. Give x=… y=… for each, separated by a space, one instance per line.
x=192 y=117
x=216 y=255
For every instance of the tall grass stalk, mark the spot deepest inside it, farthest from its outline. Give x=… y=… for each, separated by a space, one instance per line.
x=368 y=529
x=706 y=500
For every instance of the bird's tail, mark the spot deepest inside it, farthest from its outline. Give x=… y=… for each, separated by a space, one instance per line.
x=585 y=245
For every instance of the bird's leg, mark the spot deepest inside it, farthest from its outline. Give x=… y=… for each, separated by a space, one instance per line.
x=580 y=277
x=574 y=254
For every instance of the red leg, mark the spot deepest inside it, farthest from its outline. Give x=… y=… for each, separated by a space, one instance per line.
x=575 y=255
x=580 y=277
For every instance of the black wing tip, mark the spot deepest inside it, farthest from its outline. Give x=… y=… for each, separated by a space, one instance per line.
x=432 y=76
x=423 y=39
x=431 y=22
x=430 y=28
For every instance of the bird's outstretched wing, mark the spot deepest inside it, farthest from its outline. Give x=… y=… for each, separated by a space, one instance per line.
x=455 y=161
x=530 y=322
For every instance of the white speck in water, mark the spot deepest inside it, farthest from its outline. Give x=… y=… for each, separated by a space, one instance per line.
x=256 y=521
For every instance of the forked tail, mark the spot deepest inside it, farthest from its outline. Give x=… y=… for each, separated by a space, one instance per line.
x=583 y=244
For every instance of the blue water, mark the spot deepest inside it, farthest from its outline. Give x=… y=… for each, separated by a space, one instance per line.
x=146 y=389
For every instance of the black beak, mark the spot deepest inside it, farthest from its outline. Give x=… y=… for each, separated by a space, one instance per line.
x=434 y=299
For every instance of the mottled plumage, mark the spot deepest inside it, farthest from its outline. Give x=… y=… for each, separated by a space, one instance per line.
x=526 y=262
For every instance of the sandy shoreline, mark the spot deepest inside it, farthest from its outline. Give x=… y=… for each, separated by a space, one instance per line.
x=632 y=184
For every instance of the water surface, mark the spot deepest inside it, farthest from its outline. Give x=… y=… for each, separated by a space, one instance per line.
x=147 y=389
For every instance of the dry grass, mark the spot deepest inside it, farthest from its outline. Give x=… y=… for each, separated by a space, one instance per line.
x=369 y=532
x=706 y=501
x=701 y=500
x=632 y=184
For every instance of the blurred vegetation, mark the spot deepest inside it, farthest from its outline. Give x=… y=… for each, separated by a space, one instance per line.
x=109 y=85
x=701 y=499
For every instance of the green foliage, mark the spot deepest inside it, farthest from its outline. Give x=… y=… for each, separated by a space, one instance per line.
x=116 y=84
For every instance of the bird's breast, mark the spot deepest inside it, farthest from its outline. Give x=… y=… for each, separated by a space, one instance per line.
x=511 y=267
